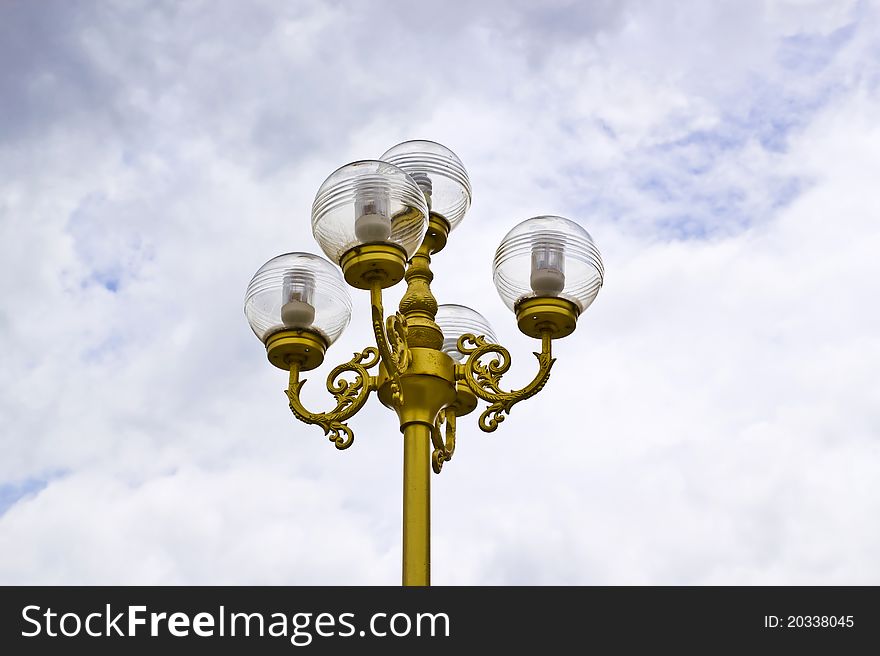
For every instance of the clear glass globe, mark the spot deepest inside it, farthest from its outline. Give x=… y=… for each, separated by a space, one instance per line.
x=439 y=173
x=548 y=256
x=368 y=202
x=298 y=291
x=457 y=320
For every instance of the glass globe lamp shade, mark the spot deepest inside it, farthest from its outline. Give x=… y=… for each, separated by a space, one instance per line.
x=549 y=258
x=298 y=293
x=369 y=203
x=440 y=174
x=457 y=320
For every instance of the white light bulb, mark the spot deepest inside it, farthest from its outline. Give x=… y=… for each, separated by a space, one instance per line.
x=372 y=222
x=548 y=267
x=425 y=184
x=297 y=290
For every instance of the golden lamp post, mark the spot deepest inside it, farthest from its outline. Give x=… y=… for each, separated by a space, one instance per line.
x=380 y=221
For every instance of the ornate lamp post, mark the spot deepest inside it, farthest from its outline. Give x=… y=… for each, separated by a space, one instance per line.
x=381 y=221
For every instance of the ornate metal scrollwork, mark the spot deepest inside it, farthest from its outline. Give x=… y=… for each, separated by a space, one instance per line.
x=350 y=396
x=484 y=378
x=443 y=450
x=391 y=342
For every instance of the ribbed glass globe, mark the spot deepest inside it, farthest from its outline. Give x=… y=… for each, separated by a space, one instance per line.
x=368 y=202
x=548 y=256
x=298 y=291
x=439 y=172
x=457 y=320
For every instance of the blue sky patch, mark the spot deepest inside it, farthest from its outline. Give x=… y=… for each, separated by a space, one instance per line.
x=12 y=493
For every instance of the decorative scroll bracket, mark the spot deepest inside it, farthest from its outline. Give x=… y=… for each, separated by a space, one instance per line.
x=443 y=450
x=391 y=342
x=350 y=396
x=484 y=379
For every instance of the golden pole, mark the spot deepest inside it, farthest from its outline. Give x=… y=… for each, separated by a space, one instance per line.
x=416 y=505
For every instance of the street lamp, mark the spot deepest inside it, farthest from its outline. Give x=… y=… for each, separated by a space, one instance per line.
x=379 y=222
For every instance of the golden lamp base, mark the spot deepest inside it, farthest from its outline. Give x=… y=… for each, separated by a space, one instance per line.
x=534 y=316
x=304 y=347
x=362 y=265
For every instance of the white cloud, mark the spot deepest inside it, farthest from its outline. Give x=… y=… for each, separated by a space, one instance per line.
x=722 y=156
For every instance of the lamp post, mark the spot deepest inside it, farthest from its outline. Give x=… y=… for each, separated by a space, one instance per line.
x=380 y=222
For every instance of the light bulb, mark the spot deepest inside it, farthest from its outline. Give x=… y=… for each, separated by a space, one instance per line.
x=362 y=202
x=297 y=291
x=548 y=267
x=372 y=222
x=548 y=257
x=439 y=174
x=424 y=182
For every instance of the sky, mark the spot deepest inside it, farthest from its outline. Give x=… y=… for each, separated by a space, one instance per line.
x=715 y=418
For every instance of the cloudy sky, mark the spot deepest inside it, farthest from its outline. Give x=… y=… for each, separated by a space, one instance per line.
x=715 y=419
